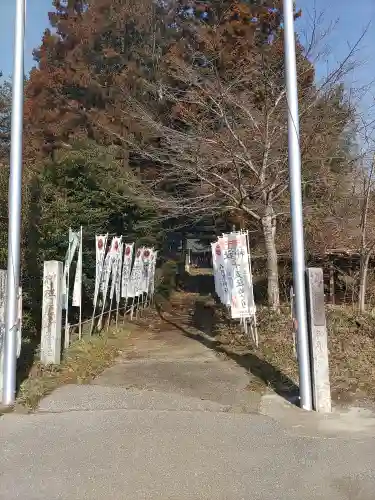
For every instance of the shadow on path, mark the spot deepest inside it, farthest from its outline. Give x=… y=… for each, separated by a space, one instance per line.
x=203 y=284
x=26 y=360
x=264 y=371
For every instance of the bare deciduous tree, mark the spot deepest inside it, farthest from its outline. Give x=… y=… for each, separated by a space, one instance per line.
x=204 y=103
x=367 y=243
x=224 y=147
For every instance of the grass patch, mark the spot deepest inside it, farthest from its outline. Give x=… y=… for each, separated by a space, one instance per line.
x=273 y=363
x=198 y=271
x=81 y=362
x=351 y=344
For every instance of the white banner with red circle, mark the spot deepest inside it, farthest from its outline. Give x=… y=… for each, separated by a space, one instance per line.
x=126 y=269
x=232 y=271
x=101 y=247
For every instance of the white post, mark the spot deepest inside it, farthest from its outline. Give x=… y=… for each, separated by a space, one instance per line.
x=15 y=202
x=50 y=348
x=298 y=246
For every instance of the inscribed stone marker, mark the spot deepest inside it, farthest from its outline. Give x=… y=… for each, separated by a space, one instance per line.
x=318 y=341
x=3 y=295
x=50 y=351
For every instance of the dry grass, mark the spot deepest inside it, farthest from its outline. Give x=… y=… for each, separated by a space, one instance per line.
x=82 y=362
x=273 y=363
x=352 y=355
x=199 y=271
x=351 y=342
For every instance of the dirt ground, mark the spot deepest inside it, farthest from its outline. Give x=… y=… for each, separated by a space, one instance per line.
x=273 y=364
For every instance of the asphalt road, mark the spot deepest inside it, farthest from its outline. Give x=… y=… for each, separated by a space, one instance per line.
x=173 y=421
x=162 y=454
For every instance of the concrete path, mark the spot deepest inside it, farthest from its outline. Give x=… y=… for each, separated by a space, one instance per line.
x=173 y=421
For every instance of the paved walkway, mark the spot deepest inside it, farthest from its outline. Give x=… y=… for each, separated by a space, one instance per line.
x=173 y=421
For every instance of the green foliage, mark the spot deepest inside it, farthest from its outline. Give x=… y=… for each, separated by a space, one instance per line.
x=132 y=80
x=85 y=186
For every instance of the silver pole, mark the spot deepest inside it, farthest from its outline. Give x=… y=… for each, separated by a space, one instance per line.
x=80 y=299
x=298 y=247
x=15 y=193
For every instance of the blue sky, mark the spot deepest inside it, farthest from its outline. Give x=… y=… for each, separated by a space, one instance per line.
x=350 y=26
x=37 y=21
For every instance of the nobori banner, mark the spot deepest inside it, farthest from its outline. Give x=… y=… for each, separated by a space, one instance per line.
x=237 y=265
x=233 y=280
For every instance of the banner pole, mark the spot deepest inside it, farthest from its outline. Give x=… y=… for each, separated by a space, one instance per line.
x=66 y=337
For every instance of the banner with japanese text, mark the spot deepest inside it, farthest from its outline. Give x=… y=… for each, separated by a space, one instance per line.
x=146 y=262
x=73 y=242
x=101 y=247
x=126 y=269
x=135 y=283
x=234 y=247
x=151 y=289
x=108 y=266
x=220 y=274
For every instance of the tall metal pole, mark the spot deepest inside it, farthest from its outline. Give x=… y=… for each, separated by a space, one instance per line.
x=15 y=189
x=298 y=247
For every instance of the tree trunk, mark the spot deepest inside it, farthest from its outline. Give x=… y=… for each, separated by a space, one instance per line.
x=331 y=282
x=363 y=270
x=269 y=232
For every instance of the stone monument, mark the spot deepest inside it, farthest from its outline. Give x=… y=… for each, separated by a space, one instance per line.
x=50 y=348
x=318 y=341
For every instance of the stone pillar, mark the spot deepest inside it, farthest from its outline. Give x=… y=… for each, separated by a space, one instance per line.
x=318 y=341
x=50 y=348
x=3 y=296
